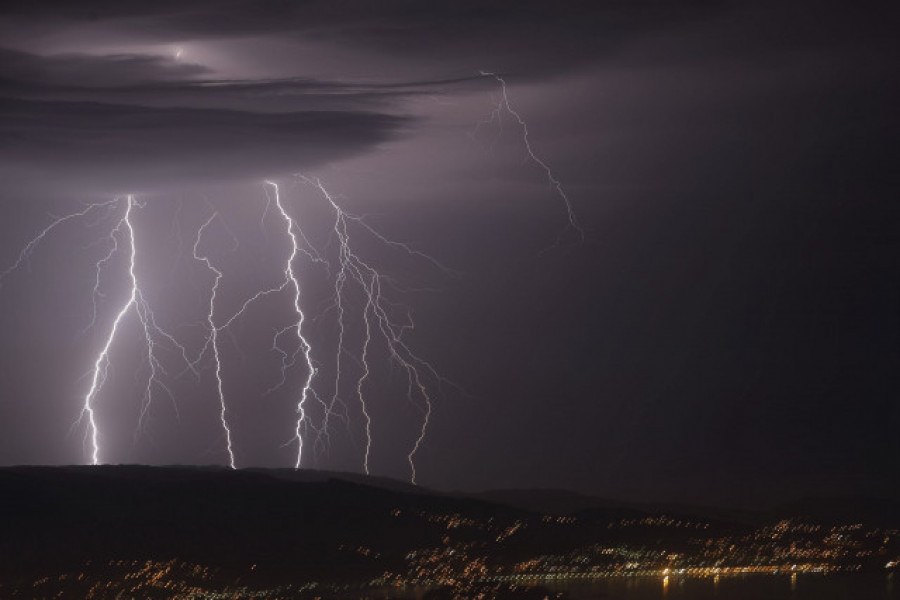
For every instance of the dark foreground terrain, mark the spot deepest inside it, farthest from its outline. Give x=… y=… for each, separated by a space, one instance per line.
x=130 y=531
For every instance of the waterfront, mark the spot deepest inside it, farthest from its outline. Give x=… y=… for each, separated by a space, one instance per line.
x=174 y=581
x=751 y=587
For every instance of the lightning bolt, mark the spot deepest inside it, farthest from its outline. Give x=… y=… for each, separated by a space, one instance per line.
x=384 y=323
x=376 y=316
x=124 y=228
x=121 y=234
x=376 y=321
x=504 y=106
x=290 y=281
x=305 y=348
x=213 y=340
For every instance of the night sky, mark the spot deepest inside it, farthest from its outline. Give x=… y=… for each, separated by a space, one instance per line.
x=726 y=332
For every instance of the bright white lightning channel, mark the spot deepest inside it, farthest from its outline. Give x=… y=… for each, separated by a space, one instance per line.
x=376 y=319
x=101 y=365
x=290 y=281
x=214 y=337
x=135 y=300
x=305 y=348
x=121 y=233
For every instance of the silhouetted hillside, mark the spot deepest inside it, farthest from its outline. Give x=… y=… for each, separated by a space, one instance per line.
x=285 y=521
x=286 y=525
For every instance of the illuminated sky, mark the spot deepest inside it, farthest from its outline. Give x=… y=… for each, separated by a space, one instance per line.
x=726 y=332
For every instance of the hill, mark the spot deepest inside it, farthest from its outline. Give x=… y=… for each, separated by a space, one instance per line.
x=266 y=527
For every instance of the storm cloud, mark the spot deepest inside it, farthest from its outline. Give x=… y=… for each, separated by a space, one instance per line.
x=135 y=148
x=538 y=35
x=115 y=122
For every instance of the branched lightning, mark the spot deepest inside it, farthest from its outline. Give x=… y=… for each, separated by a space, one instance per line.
x=121 y=234
x=101 y=365
x=369 y=324
x=291 y=281
x=376 y=319
x=29 y=248
x=504 y=106
x=213 y=339
x=149 y=329
x=305 y=348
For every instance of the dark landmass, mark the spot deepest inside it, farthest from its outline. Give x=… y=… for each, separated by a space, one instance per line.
x=873 y=511
x=310 y=529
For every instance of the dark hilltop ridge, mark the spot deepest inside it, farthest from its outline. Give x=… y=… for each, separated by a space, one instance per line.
x=280 y=519
x=300 y=522
x=874 y=511
x=285 y=525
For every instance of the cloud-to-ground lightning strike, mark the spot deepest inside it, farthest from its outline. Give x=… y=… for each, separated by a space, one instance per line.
x=370 y=281
x=305 y=348
x=214 y=337
x=384 y=323
x=290 y=280
x=504 y=106
x=125 y=227
x=148 y=325
x=375 y=316
x=101 y=365
x=124 y=230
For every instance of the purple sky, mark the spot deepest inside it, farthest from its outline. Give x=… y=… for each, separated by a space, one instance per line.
x=726 y=332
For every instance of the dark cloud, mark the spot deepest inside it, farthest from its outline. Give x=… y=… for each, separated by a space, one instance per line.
x=149 y=80
x=466 y=35
x=133 y=121
x=134 y=147
x=531 y=37
x=461 y=20
x=101 y=71
x=128 y=122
